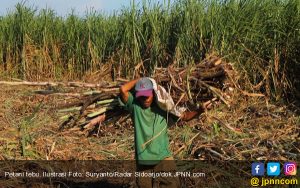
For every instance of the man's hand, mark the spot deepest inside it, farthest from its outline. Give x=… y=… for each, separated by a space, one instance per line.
x=124 y=89
x=205 y=106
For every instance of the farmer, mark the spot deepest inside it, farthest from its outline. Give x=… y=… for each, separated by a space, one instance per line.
x=152 y=151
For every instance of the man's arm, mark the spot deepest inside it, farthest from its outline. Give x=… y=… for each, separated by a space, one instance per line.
x=124 y=90
x=186 y=116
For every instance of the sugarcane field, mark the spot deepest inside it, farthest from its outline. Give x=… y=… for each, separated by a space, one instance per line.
x=222 y=78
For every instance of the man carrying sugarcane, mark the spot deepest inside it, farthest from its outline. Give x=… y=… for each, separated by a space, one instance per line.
x=152 y=151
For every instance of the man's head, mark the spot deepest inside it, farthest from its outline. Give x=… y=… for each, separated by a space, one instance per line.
x=144 y=92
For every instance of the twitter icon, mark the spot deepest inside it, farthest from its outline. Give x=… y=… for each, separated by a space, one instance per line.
x=273 y=169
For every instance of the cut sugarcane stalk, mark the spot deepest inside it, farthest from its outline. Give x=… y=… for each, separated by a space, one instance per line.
x=106 y=101
x=73 y=109
x=100 y=111
x=92 y=92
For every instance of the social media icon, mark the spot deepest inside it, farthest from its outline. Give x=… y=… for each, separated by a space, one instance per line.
x=290 y=168
x=258 y=169
x=273 y=169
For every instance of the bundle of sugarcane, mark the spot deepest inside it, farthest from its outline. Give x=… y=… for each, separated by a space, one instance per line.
x=196 y=83
x=92 y=108
x=188 y=86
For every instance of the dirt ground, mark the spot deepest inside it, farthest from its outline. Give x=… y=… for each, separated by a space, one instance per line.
x=251 y=129
x=29 y=130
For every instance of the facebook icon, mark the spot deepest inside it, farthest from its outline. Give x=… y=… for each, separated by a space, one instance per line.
x=258 y=169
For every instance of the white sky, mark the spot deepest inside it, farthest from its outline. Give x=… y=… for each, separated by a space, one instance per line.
x=63 y=7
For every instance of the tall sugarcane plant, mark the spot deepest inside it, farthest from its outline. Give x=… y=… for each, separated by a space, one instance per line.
x=261 y=37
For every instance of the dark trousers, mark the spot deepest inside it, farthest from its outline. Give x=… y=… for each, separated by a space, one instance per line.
x=166 y=165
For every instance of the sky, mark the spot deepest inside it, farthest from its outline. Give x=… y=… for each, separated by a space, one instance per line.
x=64 y=7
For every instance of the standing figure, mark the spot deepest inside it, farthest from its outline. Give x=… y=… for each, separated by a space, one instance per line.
x=152 y=151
